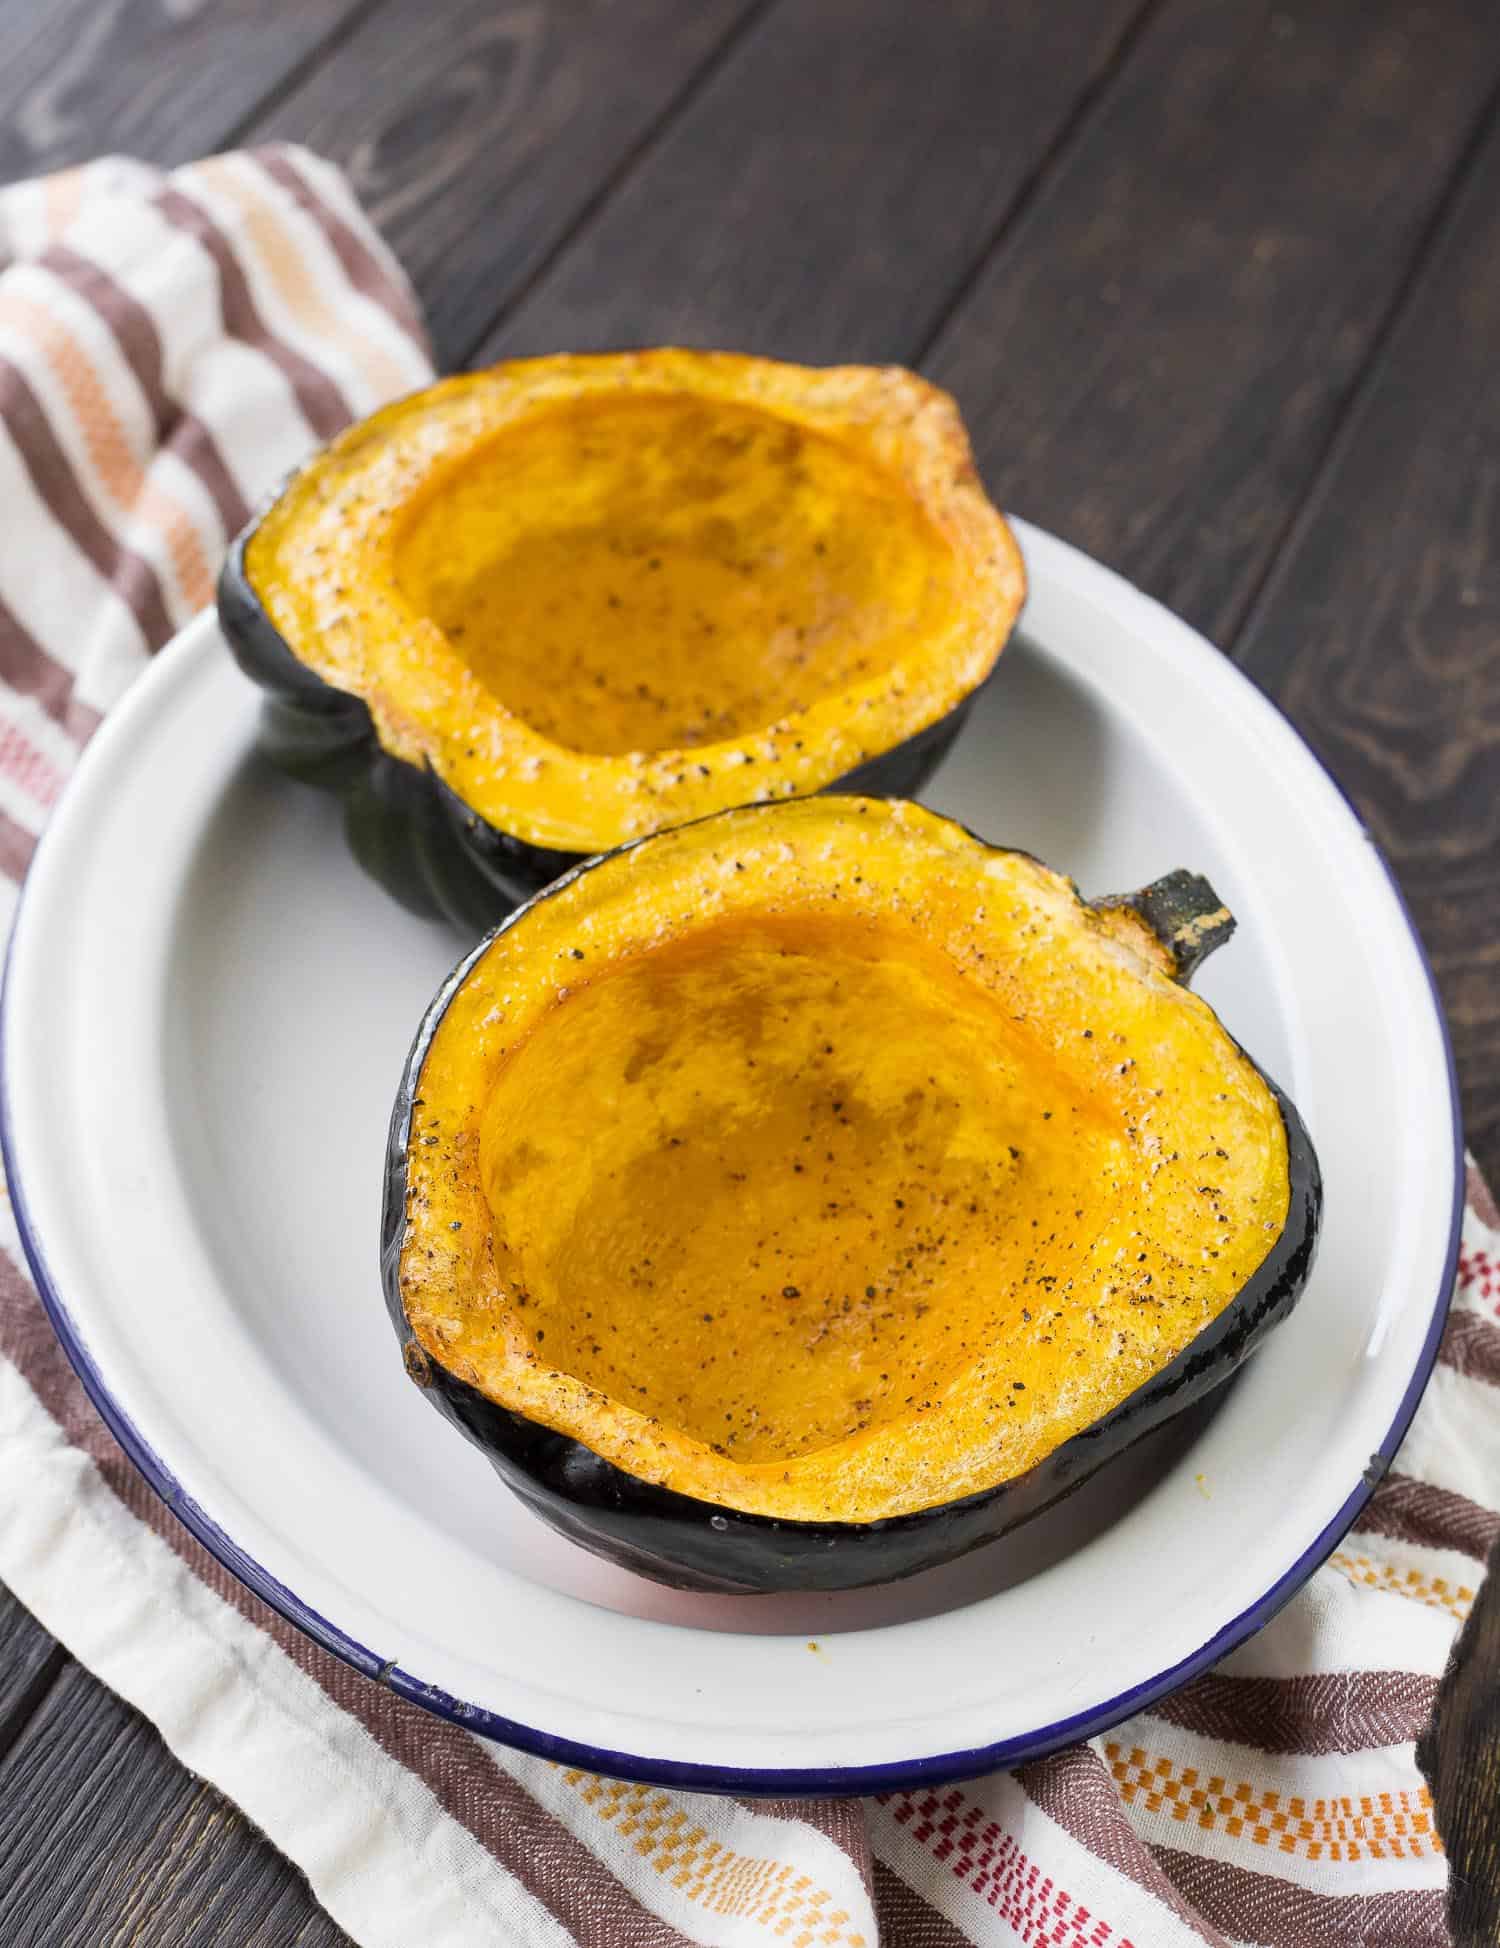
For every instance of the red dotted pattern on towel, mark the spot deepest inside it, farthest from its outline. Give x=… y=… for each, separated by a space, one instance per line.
x=27 y=767
x=1479 y=1274
x=978 y=1851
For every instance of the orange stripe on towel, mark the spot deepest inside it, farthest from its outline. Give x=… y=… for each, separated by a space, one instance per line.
x=124 y=480
x=61 y=196
x=270 y=232
x=1436 y=1591
x=1375 y=1826
x=710 y=1874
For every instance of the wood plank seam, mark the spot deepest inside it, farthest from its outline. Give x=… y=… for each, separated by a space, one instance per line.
x=1064 y=139
x=358 y=15
x=626 y=164
x=1305 y=508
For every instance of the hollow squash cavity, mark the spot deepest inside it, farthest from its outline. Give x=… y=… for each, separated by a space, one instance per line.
x=663 y=572
x=811 y=1166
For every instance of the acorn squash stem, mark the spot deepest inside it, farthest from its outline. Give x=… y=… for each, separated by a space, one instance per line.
x=1184 y=915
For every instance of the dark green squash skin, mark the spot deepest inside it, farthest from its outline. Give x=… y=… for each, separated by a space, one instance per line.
x=697 y=1545
x=407 y=828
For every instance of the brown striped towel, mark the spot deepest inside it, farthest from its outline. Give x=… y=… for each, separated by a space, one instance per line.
x=169 y=346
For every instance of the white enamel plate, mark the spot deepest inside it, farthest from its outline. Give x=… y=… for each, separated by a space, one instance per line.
x=205 y=1018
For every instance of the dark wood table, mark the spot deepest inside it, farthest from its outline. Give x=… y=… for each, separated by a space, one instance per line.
x=1217 y=283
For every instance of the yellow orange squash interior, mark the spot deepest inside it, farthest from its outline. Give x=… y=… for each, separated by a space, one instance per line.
x=602 y=594
x=828 y=1164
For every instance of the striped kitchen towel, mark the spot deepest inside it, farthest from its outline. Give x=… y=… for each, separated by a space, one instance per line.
x=169 y=346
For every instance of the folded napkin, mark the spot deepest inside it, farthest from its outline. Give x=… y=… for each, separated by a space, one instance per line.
x=169 y=346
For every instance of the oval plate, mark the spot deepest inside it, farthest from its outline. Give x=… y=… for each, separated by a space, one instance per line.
x=205 y=1016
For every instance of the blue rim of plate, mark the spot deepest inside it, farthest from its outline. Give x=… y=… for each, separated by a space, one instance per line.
x=693 y=1775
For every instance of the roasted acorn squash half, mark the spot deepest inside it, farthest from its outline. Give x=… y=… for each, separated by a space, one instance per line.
x=804 y=1196
x=534 y=612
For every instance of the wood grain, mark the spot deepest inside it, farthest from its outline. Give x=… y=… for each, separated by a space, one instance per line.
x=1154 y=362
x=1379 y=631
x=827 y=191
x=165 y=80
x=109 y=1841
x=476 y=144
